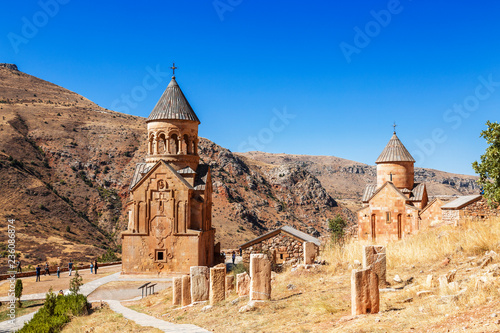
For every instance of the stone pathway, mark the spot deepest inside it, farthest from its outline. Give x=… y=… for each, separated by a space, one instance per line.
x=145 y=320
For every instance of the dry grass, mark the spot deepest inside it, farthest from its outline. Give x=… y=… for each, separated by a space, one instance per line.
x=320 y=299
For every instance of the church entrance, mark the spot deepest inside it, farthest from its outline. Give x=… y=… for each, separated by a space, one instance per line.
x=373 y=227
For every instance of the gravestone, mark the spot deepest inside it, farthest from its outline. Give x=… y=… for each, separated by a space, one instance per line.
x=260 y=274
x=243 y=284
x=364 y=292
x=374 y=256
x=186 y=290
x=200 y=283
x=309 y=253
x=217 y=284
x=177 y=291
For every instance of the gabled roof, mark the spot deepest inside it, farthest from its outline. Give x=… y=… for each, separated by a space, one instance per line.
x=286 y=229
x=200 y=182
x=417 y=193
x=173 y=105
x=462 y=201
x=140 y=170
x=368 y=192
x=153 y=168
x=395 y=151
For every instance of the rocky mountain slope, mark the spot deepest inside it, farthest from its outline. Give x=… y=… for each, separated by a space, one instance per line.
x=345 y=180
x=65 y=166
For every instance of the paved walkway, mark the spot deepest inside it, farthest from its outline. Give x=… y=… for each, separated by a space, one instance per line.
x=86 y=289
x=145 y=320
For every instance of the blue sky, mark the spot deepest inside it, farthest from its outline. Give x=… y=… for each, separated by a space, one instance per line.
x=301 y=77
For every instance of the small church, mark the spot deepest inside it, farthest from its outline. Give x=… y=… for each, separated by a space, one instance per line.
x=170 y=204
x=391 y=208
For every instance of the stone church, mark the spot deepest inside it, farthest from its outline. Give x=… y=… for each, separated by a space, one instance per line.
x=392 y=206
x=170 y=205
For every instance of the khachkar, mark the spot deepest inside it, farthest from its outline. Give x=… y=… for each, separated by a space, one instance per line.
x=170 y=206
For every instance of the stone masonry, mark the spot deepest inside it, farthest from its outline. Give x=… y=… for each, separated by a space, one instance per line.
x=186 y=290
x=200 y=283
x=364 y=292
x=177 y=290
x=243 y=284
x=374 y=256
x=217 y=284
x=260 y=273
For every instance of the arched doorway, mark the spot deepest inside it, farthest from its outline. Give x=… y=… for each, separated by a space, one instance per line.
x=374 y=234
x=400 y=228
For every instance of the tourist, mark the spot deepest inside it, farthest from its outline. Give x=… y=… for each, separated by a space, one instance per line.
x=58 y=272
x=61 y=293
x=234 y=257
x=70 y=267
x=240 y=251
x=38 y=269
x=19 y=270
x=95 y=266
x=46 y=269
x=91 y=268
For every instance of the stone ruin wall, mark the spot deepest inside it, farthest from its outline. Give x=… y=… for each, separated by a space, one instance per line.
x=283 y=244
x=479 y=210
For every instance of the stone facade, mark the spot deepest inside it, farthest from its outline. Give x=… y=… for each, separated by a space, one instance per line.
x=477 y=210
x=391 y=207
x=388 y=216
x=279 y=246
x=170 y=206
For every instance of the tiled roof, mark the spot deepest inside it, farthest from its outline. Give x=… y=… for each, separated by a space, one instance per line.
x=287 y=229
x=368 y=193
x=201 y=177
x=417 y=193
x=173 y=105
x=395 y=151
x=140 y=170
x=462 y=201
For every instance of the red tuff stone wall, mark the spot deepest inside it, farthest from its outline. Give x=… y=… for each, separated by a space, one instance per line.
x=402 y=174
x=479 y=210
x=387 y=200
x=281 y=247
x=432 y=214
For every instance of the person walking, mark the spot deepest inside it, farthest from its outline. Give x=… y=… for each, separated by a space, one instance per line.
x=240 y=251
x=47 y=269
x=95 y=266
x=19 y=270
x=91 y=268
x=58 y=272
x=38 y=269
x=70 y=267
x=233 y=257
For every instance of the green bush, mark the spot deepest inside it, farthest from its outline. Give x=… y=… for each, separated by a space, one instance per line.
x=18 y=291
x=109 y=256
x=337 y=228
x=56 y=312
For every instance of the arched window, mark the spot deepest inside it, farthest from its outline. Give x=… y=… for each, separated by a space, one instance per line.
x=174 y=144
x=186 y=148
x=162 y=144
x=151 y=144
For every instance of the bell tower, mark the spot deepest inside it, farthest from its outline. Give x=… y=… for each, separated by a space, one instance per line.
x=173 y=130
x=395 y=164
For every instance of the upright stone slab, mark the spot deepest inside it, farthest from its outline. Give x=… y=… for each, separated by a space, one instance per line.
x=200 y=283
x=217 y=284
x=309 y=253
x=374 y=256
x=177 y=291
x=229 y=283
x=186 y=290
x=260 y=273
x=243 y=284
x=364 y=292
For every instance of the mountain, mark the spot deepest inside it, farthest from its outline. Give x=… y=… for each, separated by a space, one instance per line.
x=65 y=166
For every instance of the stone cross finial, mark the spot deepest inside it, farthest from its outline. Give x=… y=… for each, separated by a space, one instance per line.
x=173 y=69
x=394 y=127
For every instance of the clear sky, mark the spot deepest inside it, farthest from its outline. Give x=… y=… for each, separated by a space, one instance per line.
x=301 y=77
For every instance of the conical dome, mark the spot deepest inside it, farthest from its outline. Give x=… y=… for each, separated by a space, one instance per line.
x=173 y=105
x=395 y=151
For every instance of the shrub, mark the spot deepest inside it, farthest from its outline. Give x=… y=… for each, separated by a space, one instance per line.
x=75 y=283
x=337 y=226
x=18 y=291
x=109 y=256
x=56 y=312
x=68 y=228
